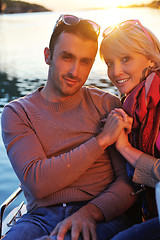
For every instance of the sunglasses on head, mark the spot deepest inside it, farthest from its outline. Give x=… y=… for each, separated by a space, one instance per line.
x=73 y=20
x=125 y=26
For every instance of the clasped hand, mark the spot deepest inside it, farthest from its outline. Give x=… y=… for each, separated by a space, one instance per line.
x=116 y=122
x=127 y=120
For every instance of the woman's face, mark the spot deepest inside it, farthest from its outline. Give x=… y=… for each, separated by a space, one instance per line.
x=125 y=71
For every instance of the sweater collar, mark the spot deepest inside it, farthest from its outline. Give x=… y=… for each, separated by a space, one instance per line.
x=69 y=103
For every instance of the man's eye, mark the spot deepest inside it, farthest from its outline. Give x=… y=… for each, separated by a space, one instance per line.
x=68 y=58
x=86 y=61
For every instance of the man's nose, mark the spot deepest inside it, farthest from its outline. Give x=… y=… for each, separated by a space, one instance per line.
x=74 y=69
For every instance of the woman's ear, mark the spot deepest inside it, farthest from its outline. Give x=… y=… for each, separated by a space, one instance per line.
x=47 y=55
x=151 y=65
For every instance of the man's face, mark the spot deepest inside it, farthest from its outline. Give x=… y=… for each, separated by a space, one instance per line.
x=70 y=66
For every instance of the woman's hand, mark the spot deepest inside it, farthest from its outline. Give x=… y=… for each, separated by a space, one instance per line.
x=122 y=141
x=122 y=144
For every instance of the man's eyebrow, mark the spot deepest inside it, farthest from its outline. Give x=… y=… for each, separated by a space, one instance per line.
x=66 y=53
x=72 y=55
x=88 y=59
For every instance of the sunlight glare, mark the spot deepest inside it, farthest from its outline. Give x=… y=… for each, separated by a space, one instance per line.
x=115 y=3
x=62 y=5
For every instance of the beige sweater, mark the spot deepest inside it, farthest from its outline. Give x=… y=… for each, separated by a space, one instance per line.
x=147 y=170
x=53 y=150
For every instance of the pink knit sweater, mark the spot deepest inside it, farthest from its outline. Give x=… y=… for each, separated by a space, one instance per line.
x=53 y=150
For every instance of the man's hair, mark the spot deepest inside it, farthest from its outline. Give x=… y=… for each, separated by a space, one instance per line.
x=83 y=29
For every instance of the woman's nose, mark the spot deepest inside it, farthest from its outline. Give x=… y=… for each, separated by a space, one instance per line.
x=117 y=69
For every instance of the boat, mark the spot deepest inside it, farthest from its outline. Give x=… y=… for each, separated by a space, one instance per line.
x=14 y=215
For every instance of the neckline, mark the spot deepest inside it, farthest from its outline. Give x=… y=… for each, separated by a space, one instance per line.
x=70 y=102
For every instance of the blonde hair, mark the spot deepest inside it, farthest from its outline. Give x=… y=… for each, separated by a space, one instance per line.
x=134 y=39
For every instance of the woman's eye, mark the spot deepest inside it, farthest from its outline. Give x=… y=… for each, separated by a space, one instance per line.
x=108 y=64
x=125 y=59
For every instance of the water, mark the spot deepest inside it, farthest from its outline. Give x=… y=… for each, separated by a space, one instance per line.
x=22 y=68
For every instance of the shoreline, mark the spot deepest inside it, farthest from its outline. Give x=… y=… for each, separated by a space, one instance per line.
x=11 y=7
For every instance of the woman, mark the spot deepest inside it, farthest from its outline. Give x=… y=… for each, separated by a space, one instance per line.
x=132 y=54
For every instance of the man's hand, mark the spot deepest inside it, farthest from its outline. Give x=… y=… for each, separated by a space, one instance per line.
x=83 y=221
x=125 y=117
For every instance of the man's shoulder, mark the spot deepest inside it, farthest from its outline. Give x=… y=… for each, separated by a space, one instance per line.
x=22 y=100
x=21 y=104
x=99 y=93
x=102 y=99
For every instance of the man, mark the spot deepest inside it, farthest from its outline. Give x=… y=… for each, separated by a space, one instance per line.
x=56 y=144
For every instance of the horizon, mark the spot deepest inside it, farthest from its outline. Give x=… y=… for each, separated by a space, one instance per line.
x=85 y=4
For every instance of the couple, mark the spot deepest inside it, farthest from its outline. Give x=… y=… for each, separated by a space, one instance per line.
x=62 y=139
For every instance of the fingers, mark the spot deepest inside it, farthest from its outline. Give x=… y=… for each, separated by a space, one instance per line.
x=75 y=232
x=121 y=114
x=128 y=128
x=116 y=118
x=77 y=227
x=88 y=232
x=61 y=229
x=93 y=234
x=125 y=116
x=55 y=230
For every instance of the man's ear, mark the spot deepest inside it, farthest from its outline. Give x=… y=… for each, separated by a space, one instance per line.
x=47 y=55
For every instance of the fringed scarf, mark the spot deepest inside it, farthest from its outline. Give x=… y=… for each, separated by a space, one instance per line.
x=143 y=104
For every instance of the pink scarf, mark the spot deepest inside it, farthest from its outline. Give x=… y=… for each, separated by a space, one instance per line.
x=143 y=104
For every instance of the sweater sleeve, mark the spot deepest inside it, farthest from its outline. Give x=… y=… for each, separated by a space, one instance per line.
x=117 y=198
x=147 y=170
x=40 y=175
